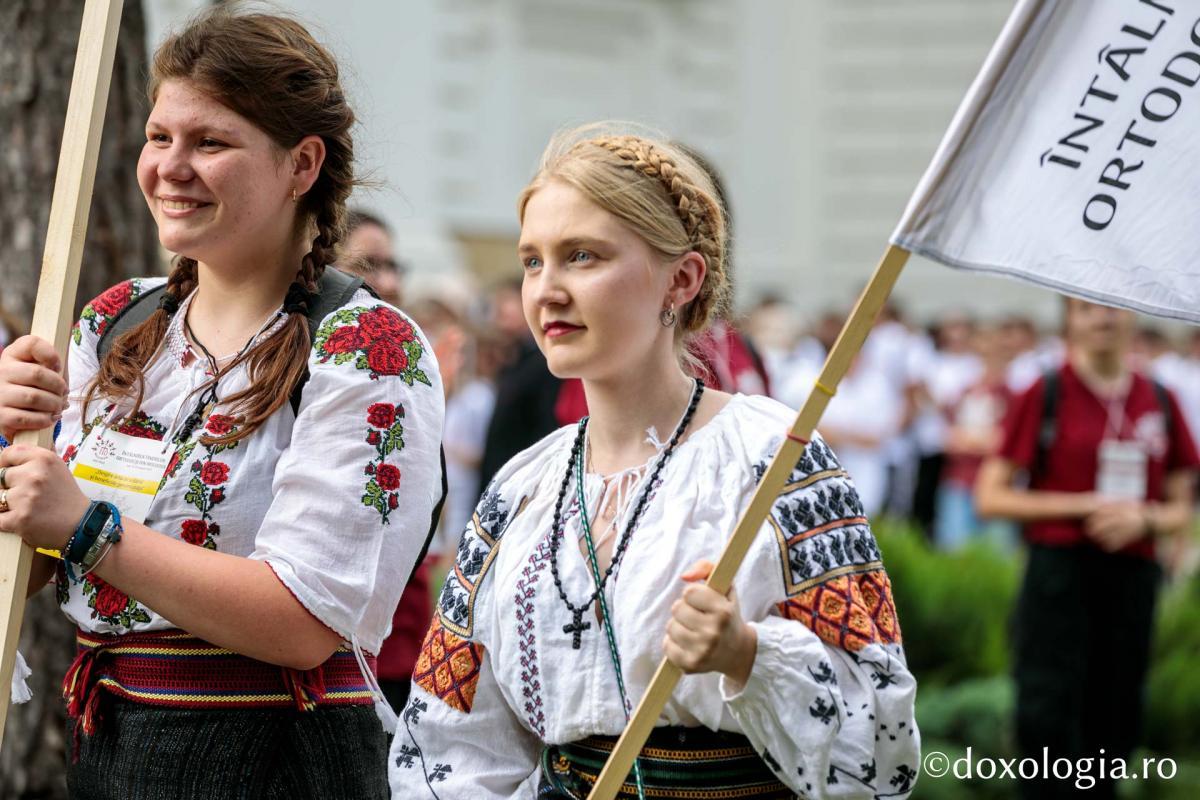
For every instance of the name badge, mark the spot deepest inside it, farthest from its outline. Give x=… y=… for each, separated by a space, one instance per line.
x=1122 y=470
x=121 y=469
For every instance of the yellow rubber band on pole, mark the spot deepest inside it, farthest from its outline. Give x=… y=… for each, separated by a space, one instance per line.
x=824 y=388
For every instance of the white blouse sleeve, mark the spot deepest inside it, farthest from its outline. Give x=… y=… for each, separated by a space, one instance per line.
x=829 y=703
x=354 y=490
x=82 y=360
x=458 y=736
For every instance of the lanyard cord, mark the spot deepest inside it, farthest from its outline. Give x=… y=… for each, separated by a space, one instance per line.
x=606 y=618
x=1115 y=408
x=209 y=399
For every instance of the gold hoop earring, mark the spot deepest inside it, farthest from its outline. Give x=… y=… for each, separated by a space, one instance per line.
x=668 y=317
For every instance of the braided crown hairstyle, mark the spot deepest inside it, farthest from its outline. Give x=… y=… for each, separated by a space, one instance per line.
x=658 y=190
x=271 y=71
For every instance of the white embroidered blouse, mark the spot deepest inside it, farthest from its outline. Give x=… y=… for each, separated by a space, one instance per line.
x=336 y=498
x=828 y=705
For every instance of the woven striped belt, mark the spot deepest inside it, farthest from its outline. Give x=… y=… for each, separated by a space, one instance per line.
x=174 y=669
x=692 y=763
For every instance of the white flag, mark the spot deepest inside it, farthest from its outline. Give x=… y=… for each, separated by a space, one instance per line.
x=1074 y=160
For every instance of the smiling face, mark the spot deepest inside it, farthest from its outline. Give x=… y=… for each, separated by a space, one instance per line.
x=593 y=289
x=219 y=188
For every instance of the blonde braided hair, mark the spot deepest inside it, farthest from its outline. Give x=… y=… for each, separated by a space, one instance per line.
x=673 y=206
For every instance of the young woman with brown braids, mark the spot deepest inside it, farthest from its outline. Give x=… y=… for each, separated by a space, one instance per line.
x=583 y=564
x=238 y=555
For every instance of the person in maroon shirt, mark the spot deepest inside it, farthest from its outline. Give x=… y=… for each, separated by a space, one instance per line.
x=1116 y=477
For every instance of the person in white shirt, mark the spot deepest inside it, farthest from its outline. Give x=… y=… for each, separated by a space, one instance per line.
x=583 y=564
x=257 y=492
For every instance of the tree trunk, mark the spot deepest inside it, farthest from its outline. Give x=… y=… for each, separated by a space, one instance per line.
x=37 y=54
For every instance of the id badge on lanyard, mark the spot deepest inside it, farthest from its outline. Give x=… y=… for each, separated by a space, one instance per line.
x=121 y=469
x=1121 y=470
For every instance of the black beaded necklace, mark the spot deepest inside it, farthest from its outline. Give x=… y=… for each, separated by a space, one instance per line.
x=578 y=626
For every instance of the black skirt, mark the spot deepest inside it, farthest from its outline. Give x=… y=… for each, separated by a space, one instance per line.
x=144 y=752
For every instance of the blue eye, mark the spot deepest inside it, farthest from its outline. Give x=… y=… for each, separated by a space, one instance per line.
x=581 y=256
x=533 y=262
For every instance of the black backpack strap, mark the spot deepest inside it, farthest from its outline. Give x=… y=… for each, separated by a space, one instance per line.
x=1048 y=429
x=436 y=518
x=1164 y=402
x=334 y=290
x=132 y=315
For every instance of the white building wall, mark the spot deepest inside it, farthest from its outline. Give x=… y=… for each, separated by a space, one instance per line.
x=821 y=115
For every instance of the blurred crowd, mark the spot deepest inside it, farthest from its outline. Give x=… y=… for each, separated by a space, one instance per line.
x=922 y=405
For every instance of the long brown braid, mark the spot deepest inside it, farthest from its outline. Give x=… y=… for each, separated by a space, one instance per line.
x=271 y=71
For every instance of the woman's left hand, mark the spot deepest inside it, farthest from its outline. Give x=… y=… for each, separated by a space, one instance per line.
x=707 y=633
x=44 y=502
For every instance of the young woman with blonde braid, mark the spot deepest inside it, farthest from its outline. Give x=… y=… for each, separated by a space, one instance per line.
x=238 y=499
x=584 y=562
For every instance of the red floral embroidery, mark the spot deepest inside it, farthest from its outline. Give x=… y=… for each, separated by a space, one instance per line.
x=386 y=435
x=387 y=357
x=219 y=424
x=382 y=323
x=378 y=340
x=345 y=340
x=109 y=604
x=194 y=531
x=388 y=477
x=206 y=489
x=114 y=299
x=141 y=426
x=381 y=415
x=103 y=309
x=110 y=601
x=214 y=473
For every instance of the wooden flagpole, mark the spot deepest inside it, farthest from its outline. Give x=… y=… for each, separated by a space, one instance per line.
x=848 y=344
x=55 y=306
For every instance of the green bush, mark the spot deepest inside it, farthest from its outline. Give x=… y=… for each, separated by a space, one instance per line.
x=953 y=607
x=1172 y=724
x=977 y=712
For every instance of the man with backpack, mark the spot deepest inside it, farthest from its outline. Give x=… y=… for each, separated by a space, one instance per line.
x=1097 y=463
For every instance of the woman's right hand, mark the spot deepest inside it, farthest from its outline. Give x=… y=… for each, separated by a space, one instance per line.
x=33 y=392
